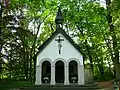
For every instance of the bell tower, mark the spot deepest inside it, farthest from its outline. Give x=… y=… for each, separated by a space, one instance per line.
x=59 y=19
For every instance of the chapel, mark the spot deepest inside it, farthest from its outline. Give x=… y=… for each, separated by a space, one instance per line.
x=59 y=59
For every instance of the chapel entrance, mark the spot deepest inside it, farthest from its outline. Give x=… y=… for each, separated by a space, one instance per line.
x=46 y=72
x=59 y=72
x=73 y=72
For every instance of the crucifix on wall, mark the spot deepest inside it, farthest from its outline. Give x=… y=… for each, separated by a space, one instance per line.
x=59 y=40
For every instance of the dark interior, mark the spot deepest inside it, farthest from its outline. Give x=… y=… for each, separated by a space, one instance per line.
x=59 y=72
x=73 y=71
x=46 y=71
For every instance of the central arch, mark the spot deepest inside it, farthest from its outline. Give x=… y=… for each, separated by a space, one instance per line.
x=59 y=71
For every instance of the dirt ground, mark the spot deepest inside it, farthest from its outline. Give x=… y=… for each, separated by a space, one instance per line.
x=108 y=85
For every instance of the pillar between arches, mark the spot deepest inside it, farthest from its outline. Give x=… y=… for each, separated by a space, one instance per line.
x=66 y=72
x=52 y=82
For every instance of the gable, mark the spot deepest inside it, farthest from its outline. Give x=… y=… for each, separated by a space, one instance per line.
x=63 y=33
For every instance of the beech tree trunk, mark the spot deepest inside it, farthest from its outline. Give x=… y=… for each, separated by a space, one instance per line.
x=0 y=39
x=115 y=56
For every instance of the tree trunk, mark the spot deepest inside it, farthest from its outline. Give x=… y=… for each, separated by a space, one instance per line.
x=101 y=70
x=26 y=65
x=100 y=67
x=87 y=48
x=110 y=71
x=1 y=61
x=114 y=40
x=90 y=57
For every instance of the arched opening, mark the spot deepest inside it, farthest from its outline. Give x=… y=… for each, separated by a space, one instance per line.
x=73 y=72
x=46 y=72
x=59 y=72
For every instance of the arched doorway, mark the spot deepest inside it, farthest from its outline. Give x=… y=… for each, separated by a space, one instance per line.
x=73 y=72
x=46 y=72
x=59 y=72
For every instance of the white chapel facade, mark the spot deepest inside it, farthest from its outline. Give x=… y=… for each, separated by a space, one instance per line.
x=59 y=60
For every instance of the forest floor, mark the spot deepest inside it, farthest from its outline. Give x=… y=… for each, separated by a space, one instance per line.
x=14 y=85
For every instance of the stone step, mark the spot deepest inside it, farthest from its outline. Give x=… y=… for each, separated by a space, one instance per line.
x=60 y=87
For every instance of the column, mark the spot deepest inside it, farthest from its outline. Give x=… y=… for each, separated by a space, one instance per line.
x=38 y=75
x=52 y=75
x=81 y=75
x=66 y=78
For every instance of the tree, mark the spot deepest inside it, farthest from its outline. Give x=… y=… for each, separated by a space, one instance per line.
x=113 y=34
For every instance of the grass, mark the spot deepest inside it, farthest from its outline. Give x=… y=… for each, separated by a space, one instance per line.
x=16 y=84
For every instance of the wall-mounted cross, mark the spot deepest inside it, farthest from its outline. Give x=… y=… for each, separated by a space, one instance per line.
x=59 y=40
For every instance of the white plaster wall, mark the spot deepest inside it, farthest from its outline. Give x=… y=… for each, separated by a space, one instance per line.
x=51 y=51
